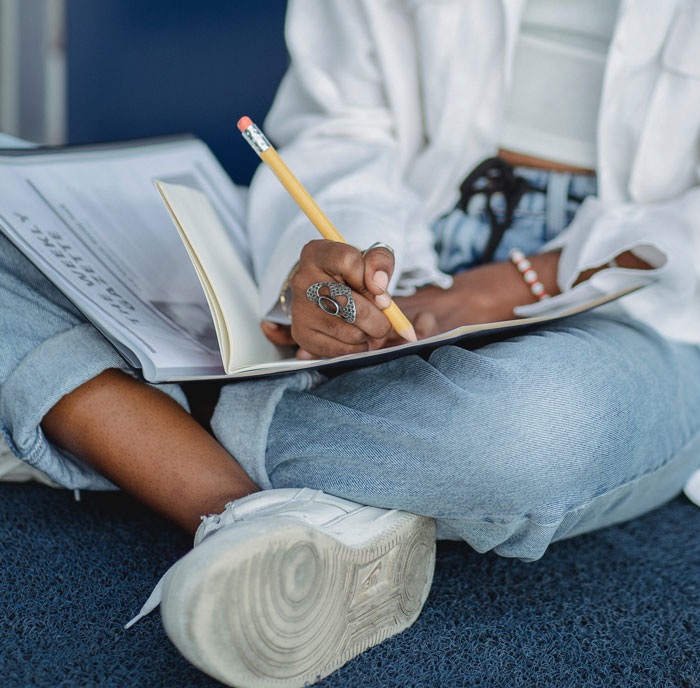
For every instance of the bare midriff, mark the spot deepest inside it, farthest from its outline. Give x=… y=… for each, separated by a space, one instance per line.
x=521 y=160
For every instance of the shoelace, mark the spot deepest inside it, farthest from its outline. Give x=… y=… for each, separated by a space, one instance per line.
x=151 y=603
x=233 y=512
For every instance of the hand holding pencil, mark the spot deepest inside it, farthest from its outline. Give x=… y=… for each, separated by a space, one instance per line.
x=352 y=272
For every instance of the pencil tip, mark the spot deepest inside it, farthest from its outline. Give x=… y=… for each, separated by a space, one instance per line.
x=409 y=334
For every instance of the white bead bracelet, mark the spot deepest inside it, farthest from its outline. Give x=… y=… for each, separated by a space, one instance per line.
x=529 y=274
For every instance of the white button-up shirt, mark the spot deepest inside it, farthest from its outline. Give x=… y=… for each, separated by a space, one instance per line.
x=388 y=104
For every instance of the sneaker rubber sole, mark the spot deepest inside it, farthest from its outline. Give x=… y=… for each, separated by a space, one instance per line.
x=277 y=603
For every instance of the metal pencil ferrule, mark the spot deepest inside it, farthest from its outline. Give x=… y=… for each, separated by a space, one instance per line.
x=257 y=140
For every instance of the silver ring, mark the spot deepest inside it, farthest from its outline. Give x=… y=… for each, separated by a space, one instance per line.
x=328 y=303
x=378 y=244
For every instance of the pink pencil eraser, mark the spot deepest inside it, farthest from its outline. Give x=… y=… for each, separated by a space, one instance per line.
x=244 y=123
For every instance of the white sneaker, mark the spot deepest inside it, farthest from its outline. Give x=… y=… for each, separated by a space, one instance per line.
x=286 y=586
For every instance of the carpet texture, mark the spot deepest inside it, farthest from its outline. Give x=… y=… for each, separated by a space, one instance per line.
x=620 y=607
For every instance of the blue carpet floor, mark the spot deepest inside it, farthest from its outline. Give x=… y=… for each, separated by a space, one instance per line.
x=616 y=608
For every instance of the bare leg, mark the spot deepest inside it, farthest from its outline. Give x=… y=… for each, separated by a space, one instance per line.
x=147 y=444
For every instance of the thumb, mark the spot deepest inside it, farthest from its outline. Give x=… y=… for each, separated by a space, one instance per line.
x=379 y=267
x=277 y=334
x=426 y=325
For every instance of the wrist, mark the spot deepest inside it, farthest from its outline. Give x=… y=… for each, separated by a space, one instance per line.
x=486 y=293
x=546 y=265
x=508 y=288
x=529 y=274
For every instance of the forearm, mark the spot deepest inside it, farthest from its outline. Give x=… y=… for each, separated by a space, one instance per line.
x=486 y=293
x=489 y=293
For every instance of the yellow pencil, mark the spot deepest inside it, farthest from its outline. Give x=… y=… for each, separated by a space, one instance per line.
x=261 y=145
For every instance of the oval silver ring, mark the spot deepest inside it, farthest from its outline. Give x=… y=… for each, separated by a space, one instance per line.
x=328 y=302
x=332 y=309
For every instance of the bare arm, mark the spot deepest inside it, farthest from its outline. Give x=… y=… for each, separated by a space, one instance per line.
x=486 y=293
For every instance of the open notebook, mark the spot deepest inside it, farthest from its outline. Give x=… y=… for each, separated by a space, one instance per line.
x=179 y=305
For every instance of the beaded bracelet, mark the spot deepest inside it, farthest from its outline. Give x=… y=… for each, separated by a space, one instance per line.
x=529 y=274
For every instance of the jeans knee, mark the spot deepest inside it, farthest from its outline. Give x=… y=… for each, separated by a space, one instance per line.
x=546 y=462
x=498 y=443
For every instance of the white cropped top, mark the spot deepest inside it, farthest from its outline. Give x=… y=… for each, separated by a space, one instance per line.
x=557 y=79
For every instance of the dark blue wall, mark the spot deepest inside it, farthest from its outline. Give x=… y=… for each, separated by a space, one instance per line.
x=152 y=67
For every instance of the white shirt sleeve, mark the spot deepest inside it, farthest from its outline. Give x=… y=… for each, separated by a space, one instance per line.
x=666 y=235
x=333 y=127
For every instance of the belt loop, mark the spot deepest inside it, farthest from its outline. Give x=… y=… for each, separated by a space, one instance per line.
x=557 y=201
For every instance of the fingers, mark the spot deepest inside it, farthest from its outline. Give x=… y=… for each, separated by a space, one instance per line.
x=323 y=334
x=320 y=345
x=330 y=261
x=277 y=334
x=379 y=267
x=426 y=325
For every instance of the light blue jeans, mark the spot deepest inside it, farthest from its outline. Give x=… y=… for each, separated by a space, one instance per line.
x=565 y=429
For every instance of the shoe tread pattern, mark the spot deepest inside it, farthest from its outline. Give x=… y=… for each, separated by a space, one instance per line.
x=301 y=604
